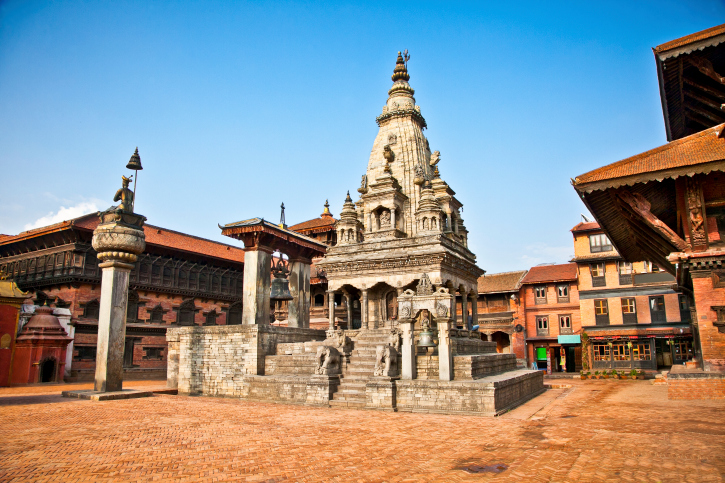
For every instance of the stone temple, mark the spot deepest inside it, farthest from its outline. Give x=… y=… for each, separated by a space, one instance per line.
x=401 y=258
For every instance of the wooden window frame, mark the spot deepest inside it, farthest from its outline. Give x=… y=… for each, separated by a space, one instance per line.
x=542 y=330
x=598 y=280
x=597 y=245
x=540 y=300
x=629 y=317
x=562 y=299
x=657 y=315
x=601 y=318
x=562 y=329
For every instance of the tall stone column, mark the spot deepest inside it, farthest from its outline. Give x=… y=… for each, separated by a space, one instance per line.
x=392 y=219
x=257 y=280
x=331 y=306
x=370 y=222
x=464 y=309
x=407 y=349
x=364 y=309
x=474 y=309
x=299 y=287
x=118 y=240
x=445 y=355
x=348 y=303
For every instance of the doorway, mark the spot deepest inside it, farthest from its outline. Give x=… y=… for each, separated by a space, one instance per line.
x=47 y=370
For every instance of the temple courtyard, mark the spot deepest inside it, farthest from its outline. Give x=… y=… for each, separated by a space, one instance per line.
x=575 y=431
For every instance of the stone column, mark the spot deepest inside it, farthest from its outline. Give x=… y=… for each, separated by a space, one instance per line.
x=118 y=240
x=407 y=349
x=392 y=218
x=299 y=287
x=464 y=309
x=257 y=280
x=370 y=222
x=445 y=356
x=348 y=302
x=364 y=309
x=474 y=309
x=331 y=307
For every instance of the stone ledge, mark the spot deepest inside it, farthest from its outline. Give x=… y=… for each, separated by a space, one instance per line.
x=107 y=396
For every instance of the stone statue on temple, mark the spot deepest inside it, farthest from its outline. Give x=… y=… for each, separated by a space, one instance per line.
x=125 y=195
x=385 y=219
x=435 y=158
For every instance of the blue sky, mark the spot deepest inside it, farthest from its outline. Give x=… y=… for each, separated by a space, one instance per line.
x=236 y=107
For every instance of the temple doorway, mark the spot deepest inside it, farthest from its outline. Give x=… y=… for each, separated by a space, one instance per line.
x=503 y=342
x=47 y=370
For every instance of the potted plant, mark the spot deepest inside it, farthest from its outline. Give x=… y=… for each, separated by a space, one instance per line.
x=614 y=374
x=605 y=375
x=640 y=374
x=633 y=373
x=596 y=374
x=582 y=375
x=589 y=375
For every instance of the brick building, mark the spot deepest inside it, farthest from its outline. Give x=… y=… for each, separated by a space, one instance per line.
x=179 y=280
x=550 y=298
x=629 y=310
x=666 y=204
x=500 y=313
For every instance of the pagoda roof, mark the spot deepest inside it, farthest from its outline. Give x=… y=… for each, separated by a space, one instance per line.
x=282 y=236
x=501 y=282
x=687 y=44
x=551 y=273
x=315 y=224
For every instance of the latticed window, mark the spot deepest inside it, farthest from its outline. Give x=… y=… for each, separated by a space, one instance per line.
x=91 y=310
x=565 y=324
x=641 y=352
x=540 y=293
x=601 y=352
x=620 y=351
x=600 y=307
x=628 y=306
x=625 y=268
x=542 y=325
x=562 y=293
x=157 y=314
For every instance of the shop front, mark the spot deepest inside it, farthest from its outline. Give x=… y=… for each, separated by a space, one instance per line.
x=557 y=355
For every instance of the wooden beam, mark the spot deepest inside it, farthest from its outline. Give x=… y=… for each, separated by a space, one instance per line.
x=708 y=90
x=704 y=113
x=704 y=100
x=693 y=116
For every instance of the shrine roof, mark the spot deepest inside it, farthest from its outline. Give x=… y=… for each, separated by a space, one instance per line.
x=10 y=290
x=282 y=233
x=501 y=282
x=586 y=226
x=155 y=235
x=698 y=153
x=326 y=221
x=710 y=37
x=551 y=273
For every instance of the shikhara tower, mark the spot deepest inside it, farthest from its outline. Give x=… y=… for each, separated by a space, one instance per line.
x=406 y=223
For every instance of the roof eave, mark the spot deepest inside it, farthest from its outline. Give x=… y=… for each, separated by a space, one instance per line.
x=663 y=98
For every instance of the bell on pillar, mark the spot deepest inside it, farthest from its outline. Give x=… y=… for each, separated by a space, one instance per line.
x=426 y=335
x=279 y=291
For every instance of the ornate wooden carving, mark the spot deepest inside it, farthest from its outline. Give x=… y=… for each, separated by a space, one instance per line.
x=641 y=207
x=696 y=217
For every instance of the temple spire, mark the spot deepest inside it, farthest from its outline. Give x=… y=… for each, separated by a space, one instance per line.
x=401 y=68
x=326 y=213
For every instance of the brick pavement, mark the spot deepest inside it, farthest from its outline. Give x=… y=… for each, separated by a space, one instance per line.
x=592 y=431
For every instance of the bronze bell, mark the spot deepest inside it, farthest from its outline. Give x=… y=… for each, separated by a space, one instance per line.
x=426 y=335
x=135 y=162
x=280 y=284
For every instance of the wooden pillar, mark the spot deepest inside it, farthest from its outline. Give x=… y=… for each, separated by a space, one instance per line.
x=299 y=286
x=257 y=280
x=348 y=302
x=474 y=309
x=464 y=309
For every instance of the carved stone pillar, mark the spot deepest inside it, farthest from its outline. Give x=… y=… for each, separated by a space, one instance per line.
x=348 y=302
x=407 y=349
x=299 y=286
x=370 y=222
x=392 y=218
x=257 y=280
x=364 y=309
x=464 y=309
x=118 y=240
x=331 y=307
x=445 y=355
x=474 y=310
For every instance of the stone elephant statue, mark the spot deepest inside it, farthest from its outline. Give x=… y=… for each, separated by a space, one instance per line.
x=386 y=361
x=327 y=360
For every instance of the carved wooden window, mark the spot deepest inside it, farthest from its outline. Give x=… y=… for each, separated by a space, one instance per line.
x=629 y=310
x=215 y=283
x=657 y=308
x=682 y=350
x=185 y=313
x=601 y=312
x=234 y=314
x=599 y=243
x=153 y=353
x=183 y=279
x=225 y=284
x=625 y=273
x=157 y=314
x=132 y=307
x=91 y=310
x=156 y=274
x=391 y=305
x=210 y=317
x=542 y=325
x=540 y=294
x=167 y=277
x=145 y=273
x=193 y=280
x=565 y=324
x=562 y=293
x=202 y=282
x=85 y=353
x=685 y=314
x=319 y=300
x=620 y=351
x=601 y=352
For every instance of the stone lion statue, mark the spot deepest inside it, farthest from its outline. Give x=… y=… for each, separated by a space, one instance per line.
x=327 y=360
x=386 y=359
x=394 y=339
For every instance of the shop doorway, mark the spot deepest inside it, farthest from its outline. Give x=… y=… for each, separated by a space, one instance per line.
x=664 y=353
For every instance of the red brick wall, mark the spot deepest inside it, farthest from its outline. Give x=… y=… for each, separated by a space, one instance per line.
x=687 y=388
x=712 y=341
x=8 y=321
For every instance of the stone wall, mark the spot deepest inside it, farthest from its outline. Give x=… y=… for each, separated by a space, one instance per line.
x=214 y=361
x=466 y=368
x=695 y=384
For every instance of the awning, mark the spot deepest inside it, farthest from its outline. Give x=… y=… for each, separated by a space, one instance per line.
x=570 y=339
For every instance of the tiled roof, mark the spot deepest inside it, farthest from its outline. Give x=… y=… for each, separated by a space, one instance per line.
x=551 y=273
x=586 y=226
x=314 y=223
x=155 y=235
x=698 y=149
x=500 y=282
x=692 y=38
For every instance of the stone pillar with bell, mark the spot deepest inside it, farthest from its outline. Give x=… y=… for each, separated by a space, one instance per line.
x=279 y=291
x=118 y=240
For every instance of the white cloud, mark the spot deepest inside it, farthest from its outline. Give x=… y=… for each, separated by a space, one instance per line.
x=64 y=213
x=543 y=253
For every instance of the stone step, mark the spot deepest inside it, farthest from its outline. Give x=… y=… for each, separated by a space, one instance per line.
x=348 y=404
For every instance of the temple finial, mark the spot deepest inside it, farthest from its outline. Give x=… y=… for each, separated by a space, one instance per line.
x=401 y=68
x=282 y=223
x=327 y=207
x=347 y=198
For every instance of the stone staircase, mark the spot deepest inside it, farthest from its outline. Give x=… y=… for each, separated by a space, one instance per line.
x=351 y=391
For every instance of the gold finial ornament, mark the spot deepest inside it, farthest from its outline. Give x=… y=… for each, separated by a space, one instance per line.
x=401 y=68
x=327 y=207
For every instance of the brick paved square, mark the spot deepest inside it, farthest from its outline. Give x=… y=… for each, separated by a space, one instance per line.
x=592 y=431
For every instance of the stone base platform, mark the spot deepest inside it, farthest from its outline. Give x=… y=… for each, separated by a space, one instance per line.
x=107 y=396
x=687 y=383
